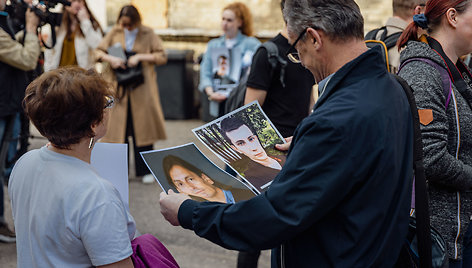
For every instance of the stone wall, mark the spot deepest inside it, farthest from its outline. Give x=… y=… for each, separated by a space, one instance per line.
x=375 y=12
x=189 y=24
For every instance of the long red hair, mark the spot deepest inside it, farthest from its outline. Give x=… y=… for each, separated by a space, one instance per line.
x=243 y=13
x=434 y=11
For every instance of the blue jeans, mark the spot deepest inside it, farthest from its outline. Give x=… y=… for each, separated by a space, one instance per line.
x=466 y=260
x=12 y=148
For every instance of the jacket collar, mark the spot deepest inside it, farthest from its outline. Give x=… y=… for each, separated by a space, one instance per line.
x=142 y=29
x=239 y=37
x=353 y=70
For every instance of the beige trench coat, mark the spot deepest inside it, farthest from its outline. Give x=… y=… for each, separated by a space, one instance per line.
x=146 y=110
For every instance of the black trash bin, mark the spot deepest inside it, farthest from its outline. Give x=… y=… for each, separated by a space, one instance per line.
x=176 y=85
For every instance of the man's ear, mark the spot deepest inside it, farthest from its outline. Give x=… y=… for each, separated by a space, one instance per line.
x=207 y=179
x=316 y=37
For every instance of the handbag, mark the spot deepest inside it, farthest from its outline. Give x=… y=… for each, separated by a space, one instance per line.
x=130 y=77
x=424 y=245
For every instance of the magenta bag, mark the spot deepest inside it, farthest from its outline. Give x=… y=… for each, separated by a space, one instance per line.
x=149 y=252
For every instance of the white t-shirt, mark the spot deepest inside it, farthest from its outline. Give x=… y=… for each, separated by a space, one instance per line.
x=65 y=214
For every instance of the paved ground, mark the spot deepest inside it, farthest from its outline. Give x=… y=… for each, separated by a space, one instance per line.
x=188 y=249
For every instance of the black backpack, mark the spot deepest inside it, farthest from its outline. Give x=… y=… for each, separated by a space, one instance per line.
x=236 y=97
x=387 y=42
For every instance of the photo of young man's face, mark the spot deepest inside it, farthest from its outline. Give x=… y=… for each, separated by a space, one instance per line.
x=222 y=66
x=247 y=143
x=190 y=183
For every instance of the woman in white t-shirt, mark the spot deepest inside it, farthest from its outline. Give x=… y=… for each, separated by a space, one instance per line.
x=65 y=214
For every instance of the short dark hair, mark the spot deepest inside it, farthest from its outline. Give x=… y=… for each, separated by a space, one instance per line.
x=171 y=160
x=232 y=123
x=404 y=8
x=64 y=103
x=132 y=13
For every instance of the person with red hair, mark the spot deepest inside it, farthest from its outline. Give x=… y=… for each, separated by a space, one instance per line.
x=236 y=23
x=444 y=107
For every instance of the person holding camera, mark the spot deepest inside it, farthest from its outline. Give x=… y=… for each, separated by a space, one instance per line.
x=78 y=35
x=15 y=59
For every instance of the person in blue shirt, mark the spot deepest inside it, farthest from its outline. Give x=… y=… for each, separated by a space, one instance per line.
x=236 y=24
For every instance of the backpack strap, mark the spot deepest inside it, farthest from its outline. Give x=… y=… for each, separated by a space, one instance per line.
x=446 y=80
x=373 y=34
x=421 y=193
x=391 y=40
x=274 y=59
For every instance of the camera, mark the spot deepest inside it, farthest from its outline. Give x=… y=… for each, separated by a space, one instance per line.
x=16 y=9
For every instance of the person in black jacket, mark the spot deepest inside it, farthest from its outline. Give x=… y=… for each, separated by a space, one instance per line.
x=15 y=59
x=285 y=93
x=342 y=199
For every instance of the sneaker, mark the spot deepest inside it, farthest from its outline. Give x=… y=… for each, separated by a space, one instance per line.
x=6 y=235
x=148 y=179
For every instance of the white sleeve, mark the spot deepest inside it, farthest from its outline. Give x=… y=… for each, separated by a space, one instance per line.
x=104 y=233
x=92 y=36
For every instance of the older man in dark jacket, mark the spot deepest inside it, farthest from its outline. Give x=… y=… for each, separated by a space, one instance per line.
x=342 y=198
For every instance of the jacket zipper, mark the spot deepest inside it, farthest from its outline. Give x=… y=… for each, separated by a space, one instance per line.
x=456 y=254
x=458 y=225
x=282 y=259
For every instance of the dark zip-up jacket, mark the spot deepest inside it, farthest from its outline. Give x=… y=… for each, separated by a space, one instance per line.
x=342 y=198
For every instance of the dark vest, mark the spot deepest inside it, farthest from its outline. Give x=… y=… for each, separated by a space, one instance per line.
x=13 y=81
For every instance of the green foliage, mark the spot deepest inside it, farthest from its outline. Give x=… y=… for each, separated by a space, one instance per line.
x=266 y=133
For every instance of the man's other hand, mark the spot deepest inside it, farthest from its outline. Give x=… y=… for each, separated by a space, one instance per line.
x=285 y=146
x=170 y=204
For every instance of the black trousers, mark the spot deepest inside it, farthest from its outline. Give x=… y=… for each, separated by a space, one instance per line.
x=140 y=166
x=248 y=259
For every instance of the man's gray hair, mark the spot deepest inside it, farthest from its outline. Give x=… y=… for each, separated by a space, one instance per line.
x=338 y=19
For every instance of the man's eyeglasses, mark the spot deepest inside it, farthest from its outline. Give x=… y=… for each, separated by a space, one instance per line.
x=294 y=56
x=109 y=102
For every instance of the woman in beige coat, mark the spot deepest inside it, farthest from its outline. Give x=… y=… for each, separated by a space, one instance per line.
x=138 y=111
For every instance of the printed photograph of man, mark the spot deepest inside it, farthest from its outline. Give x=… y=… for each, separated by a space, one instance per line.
x=190 y=180
x=262 y=168
x=223 y=68
x=221 y=77
x=226 y=64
